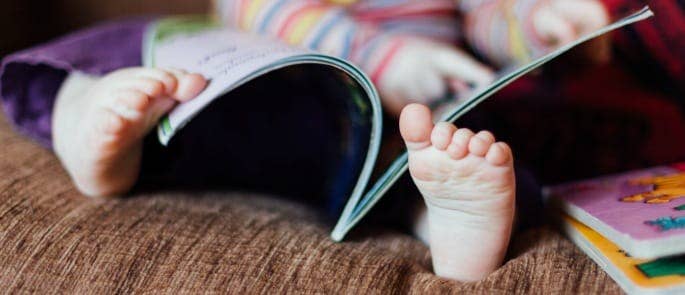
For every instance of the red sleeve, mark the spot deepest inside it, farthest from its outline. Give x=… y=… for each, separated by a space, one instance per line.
x=655 y=46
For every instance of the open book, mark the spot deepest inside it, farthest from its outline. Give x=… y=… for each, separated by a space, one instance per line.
x=229 y=59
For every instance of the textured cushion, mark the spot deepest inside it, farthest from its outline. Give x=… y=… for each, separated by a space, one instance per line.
x=54 y=240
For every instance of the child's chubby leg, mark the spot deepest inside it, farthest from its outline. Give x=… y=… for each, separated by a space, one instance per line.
x=99 y=123
x=467 y=181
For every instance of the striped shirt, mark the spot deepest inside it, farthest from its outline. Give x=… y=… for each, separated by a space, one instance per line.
x=369 y=32
x=366 y=32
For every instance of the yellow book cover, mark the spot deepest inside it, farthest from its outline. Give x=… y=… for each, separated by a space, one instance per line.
x=635 y=276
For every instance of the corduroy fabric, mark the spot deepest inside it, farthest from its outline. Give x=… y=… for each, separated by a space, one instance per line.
x=54 y=240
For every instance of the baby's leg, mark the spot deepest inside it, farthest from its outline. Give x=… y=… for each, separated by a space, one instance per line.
x=468 y=185
x=99 y=123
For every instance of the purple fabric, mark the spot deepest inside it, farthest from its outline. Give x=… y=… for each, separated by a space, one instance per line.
x=30 y=79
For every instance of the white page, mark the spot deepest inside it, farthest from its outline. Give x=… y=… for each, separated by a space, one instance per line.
x=226 y=58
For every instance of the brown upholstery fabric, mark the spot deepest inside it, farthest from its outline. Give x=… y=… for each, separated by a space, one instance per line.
x=53 y=240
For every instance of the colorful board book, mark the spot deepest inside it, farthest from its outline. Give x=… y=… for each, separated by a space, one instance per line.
x=634 y=275
x=643 y=212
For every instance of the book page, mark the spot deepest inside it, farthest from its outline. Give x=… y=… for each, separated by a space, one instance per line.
x=226 y=58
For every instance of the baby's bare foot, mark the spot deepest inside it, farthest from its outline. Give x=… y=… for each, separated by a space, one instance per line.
x=467 y=181
x=99 y=123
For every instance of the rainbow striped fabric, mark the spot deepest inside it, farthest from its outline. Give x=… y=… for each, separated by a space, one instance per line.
x=503 y=31
x=369 y=32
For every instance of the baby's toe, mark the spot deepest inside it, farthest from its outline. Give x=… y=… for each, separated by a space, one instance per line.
x=168 y=78
x=110 y=134
x=181 y=85
x=108 y=123
x=190 y=86
x=133 y=100
x=499 y=154
x=480 y=143
x=416 y=125
x=149 y=86
x=442 y=135
x=460 y=142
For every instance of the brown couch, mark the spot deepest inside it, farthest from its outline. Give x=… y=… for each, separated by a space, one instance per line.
x=54 y=240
